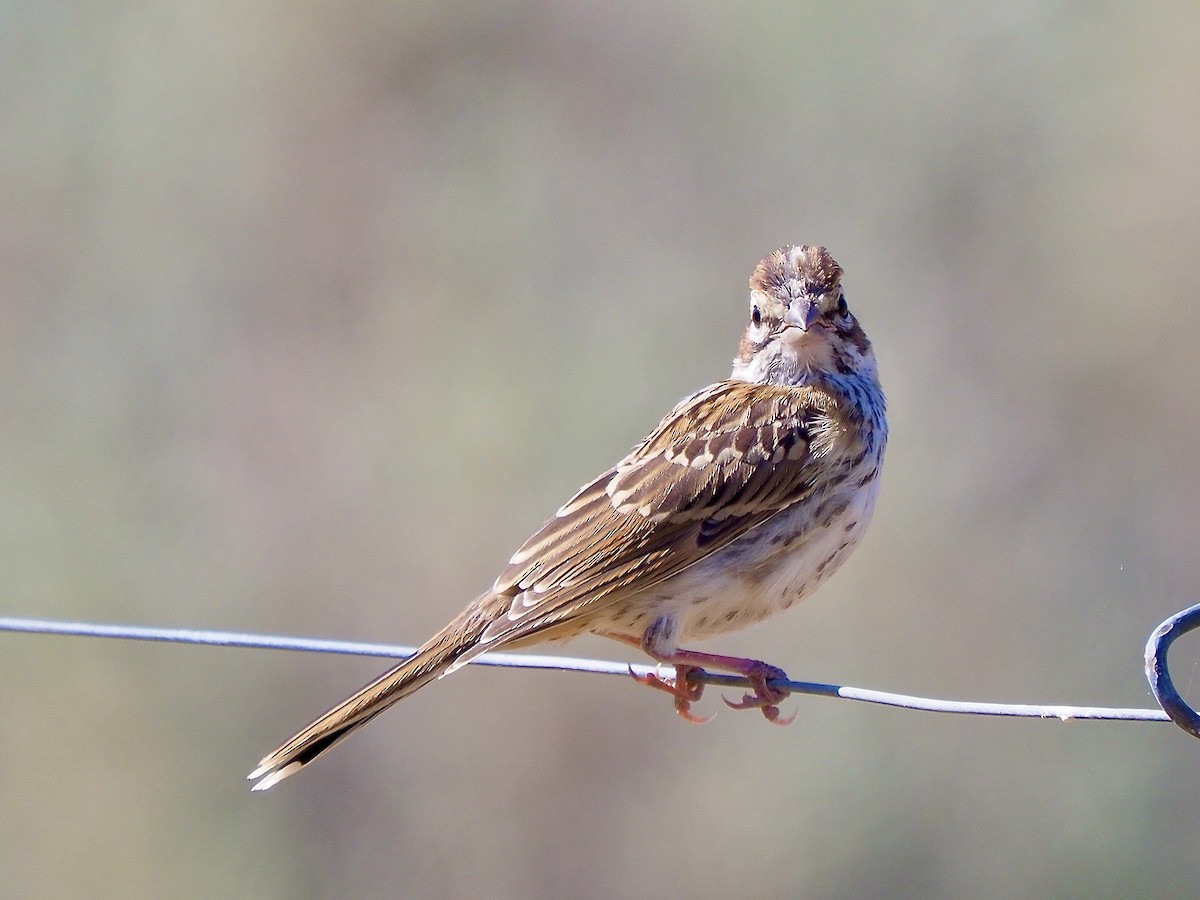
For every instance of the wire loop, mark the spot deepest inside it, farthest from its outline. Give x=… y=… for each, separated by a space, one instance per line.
x=1160 y=677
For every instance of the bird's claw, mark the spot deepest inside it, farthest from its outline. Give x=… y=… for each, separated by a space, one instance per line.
x=682 y=687
x=765 y=697
x=769 y=710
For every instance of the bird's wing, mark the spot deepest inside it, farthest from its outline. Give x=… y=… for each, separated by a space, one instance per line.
x=724 y=461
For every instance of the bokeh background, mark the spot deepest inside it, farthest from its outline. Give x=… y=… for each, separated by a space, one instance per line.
x=310 y=313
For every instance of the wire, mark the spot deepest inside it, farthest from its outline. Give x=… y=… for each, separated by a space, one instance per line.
x=1156 y=651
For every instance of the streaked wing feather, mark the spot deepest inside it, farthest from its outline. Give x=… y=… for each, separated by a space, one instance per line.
x=723 y=462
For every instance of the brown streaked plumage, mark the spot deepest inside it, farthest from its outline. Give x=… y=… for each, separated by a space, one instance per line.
x=747 y=496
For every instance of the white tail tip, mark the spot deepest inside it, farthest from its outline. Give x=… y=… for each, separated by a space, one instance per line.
x=272 y=778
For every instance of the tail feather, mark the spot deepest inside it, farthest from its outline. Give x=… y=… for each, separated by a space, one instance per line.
x=435 y=658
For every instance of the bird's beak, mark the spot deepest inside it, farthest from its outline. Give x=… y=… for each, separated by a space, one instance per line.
x=802 y=312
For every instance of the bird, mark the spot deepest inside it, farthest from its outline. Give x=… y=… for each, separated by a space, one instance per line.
x=740 y=503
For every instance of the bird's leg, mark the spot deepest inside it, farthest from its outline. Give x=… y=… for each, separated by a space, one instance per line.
x=683 y=687
x=765 y=696
x=656 y=643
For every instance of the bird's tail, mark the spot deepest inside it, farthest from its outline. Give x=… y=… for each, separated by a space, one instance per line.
x=436 y=657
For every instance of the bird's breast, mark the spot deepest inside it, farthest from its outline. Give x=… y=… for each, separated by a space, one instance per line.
x=770 y=568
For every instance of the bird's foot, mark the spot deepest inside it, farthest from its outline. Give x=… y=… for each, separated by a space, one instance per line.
x=683 y=687
x=765 y=697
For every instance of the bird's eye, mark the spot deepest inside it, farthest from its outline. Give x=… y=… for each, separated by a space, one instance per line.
x=756 y=315
x=843 y=306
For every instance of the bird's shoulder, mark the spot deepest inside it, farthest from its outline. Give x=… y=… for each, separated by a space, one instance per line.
x=735 y=421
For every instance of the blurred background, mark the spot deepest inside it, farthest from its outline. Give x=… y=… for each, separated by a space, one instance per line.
x=310 y=314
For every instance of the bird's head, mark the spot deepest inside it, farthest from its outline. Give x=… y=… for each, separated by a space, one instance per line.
x=800 y=324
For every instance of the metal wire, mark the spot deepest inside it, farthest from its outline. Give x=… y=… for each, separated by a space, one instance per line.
x=1176 y=709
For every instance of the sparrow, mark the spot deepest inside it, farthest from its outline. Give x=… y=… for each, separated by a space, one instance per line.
x=740 y=503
